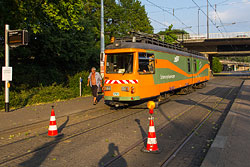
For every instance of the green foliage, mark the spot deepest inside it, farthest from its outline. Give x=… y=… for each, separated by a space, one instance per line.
x=169 y=35
x=126 y=16
x=216 y=65
x=45 y=94
x=178 y=31
x=64 y=36
x=74 y=82
x=38 y=95
x=64 y=40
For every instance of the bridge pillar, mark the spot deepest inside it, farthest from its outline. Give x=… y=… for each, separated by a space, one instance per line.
x=210 y=59
x=206 y=55
x=235 y=69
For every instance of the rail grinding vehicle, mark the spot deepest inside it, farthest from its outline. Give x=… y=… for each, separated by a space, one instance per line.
x=140 y=67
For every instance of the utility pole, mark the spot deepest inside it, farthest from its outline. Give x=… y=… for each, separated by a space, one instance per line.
x=7 y=63
x=102 y=41
x=207 y=21
x=199 y=22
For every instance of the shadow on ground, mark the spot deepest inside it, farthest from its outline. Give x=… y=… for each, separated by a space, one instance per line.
x=113 y=151
x=42 y=152
x=143 y=133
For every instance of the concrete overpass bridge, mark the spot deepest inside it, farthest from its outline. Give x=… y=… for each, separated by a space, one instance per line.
x=235 y=66
x=219 y=45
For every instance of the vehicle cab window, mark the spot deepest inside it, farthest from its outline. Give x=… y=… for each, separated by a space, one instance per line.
x=146 y=63
x=119 y=63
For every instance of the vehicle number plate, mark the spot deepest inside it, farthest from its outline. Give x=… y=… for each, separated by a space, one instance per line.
x=116 y=94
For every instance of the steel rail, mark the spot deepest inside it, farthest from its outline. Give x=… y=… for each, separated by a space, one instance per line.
x=99 y=126
x=159 y=129
x=37 y=135
x=10 y=130
x=67 y=137
x=194 y=130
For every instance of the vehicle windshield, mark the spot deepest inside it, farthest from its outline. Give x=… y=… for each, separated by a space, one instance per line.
x=119 y=63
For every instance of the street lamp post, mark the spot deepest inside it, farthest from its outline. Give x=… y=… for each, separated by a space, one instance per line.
x=102 y=41
x=207 y=22
x=198 y=21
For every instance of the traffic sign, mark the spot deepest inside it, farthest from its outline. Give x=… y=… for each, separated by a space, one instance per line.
x=17 y=38
x=6 y=73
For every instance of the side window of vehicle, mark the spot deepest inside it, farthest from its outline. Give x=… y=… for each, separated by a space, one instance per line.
x=195 y=65
x=146 y=63
x=189 y=65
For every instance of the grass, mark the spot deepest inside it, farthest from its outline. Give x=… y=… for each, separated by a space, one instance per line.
x=45 y=94
x=41 y=95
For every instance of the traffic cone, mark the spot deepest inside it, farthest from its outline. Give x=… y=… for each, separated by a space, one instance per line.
x=152 y=145
x=52 y=124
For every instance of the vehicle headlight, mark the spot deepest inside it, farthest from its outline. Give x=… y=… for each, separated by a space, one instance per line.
x=107 y=88
x=125 y=88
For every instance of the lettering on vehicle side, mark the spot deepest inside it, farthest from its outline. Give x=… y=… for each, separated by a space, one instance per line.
x=200 y=64
x=167 y=76
x=176 y=59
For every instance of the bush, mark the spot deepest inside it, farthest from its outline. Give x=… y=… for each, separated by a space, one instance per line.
x=50 y=93
x=44 y=94
x=216 y=65
x=74 y=83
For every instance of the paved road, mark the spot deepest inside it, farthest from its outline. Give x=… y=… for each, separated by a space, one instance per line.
x=93 y=135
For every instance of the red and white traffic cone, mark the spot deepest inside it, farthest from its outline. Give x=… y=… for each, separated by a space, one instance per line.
x=52 y=124
x=152 y=145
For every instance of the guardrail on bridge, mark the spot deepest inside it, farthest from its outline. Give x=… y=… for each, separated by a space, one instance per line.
x=214 y=35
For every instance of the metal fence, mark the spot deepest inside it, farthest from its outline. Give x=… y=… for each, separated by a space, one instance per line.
x=214 y=35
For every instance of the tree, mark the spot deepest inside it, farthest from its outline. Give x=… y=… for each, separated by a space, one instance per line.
x=216 y=65
x=126 y=16
x=169 y=35
x=64 y=35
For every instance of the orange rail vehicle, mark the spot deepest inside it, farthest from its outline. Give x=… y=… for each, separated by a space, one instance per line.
x=138 y=69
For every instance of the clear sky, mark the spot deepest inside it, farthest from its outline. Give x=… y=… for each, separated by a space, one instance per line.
x=233 y=14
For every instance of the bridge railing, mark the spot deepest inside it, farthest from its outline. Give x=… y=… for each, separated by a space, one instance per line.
x=214 y=35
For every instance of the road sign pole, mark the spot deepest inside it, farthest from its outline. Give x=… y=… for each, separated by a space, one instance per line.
x=80 y=86
x=7 y=92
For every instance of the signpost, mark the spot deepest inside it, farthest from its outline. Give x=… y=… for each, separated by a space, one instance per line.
x=80 y=86
x=6 y=73
x=7 y=92
x=17 y=37
x=13 y=38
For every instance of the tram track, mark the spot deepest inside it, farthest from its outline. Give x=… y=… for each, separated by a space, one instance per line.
x=194 y=131
x=39 y=123
x=67 y=137
x=68 y=126
x=35 y=125
x=20 y=156
x=164 y=126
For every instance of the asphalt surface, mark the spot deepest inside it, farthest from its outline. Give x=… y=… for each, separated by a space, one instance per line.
x=94 y=135
x=231 y=145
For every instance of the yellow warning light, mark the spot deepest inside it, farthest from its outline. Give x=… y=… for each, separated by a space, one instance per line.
x=8 y=85
x=112 y=40
x=151 y=105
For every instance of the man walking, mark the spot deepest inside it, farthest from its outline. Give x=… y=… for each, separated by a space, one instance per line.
x=95 y=81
